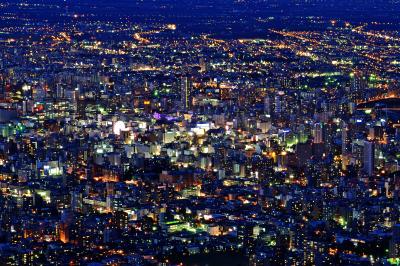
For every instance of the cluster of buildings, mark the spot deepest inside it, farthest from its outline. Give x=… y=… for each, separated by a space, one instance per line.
x=131 y=144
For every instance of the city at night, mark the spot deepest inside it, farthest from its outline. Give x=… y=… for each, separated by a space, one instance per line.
x=199 y=132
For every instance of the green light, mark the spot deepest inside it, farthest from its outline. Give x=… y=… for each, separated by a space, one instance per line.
x=20 y=127
x=172 y=222
x=102 y=110
x=342 y=222
x=394 y=261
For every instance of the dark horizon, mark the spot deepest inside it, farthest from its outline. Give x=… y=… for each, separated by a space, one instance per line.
x=222 y=18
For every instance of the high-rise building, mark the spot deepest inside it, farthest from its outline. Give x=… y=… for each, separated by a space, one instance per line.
x=369 y=158
x=280 y=104
x=203 y=65
x=394 y=246
x=318 y=133
x=344 y=138
x=357 y=86
x=267 y=105
x=186 y=93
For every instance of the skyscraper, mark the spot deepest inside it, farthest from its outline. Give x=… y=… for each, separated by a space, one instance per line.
x=318 y=133
x=344 y=138
x=186 y=93
x=203 y=65
x=368 y=158
x=394 y=245
x=267 y=105
x=358 y=85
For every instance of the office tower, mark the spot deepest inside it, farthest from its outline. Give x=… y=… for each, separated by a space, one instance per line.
x=267 y=105
x=344 y=138
x=64 y=232
x=186 y=93
x=318 y=133
x=203 y=65
x=357 y=86
x=60 y=91
x=280 y=104
x=368 y=158
x=394 y=246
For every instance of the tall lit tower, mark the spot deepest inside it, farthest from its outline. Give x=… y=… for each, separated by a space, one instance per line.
x=344 y=138
x=318 y=133
x=357 y=86
x=186 y=93
x=203 y=65
x=267 y=105
x=369 y=158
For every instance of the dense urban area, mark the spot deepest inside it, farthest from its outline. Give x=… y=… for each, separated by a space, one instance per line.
x=233 y=137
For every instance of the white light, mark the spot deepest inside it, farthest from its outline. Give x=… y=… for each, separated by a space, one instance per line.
x=26 y=87
x=118 y=127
